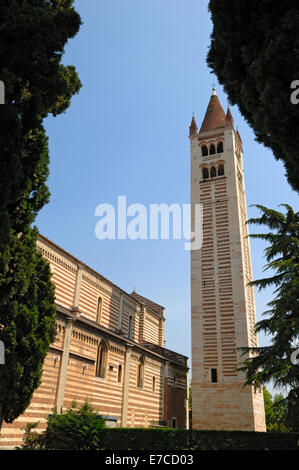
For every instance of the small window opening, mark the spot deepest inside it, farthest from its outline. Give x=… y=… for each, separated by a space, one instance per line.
x=205 y=173
x=130 y=329
x=212 y=149
x=214 y=376
x=119 y=375
x=221 y=170
x=213 y=172
x=220 y=147
x=99 y=310
x=102 y=357
x=204 y=151
x=140 y=373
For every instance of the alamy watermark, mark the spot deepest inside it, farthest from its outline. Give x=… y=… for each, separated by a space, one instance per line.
x=295 y=94
x=2 y=353
x=151 y=223
x=295 y=357
x=2 y=92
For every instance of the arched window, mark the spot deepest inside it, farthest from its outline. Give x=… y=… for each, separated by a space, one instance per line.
x=140 y=373
x=205 y=173
x=130 y=327
x=102 y=359
x=99 y=310
x=213 y=172
x=204 y=151
x=212 y=149
x=221 y=170
x=119 y=375
x=154 y=384
x=220 y=147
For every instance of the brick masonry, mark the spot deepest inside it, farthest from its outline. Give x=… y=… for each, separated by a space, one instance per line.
x=69 y=372
x=222 y=304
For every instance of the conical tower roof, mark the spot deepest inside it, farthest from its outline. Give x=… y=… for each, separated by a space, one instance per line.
x=229 y=118
x=215 y=116
x=193 y=127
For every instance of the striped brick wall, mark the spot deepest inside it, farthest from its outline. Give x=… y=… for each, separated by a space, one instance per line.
x=42 y=404
x=63 y=275
x=151 y=327
x=145 y=404
x=69 y=372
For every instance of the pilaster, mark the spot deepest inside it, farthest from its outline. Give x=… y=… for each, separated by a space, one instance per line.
x=64 y=364
x=126 y=385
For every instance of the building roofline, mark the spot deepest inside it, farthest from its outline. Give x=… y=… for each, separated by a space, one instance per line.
x=156 y=308
x=121 y=339
x=88 y=268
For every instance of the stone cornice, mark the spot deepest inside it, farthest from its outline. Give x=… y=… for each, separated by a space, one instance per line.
x=94 y=327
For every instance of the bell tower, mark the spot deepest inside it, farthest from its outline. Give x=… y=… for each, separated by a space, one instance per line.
x=222 y=304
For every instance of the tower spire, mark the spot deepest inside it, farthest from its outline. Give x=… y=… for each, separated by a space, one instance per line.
x=229 y=118
x=215 y=116
x=213 y=87
x=193 y=127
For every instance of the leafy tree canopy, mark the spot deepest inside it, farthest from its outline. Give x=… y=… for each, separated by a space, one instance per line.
x=276 y=411
x=76 y=429
x=255 y=54
x=33 y=34
x=267 y=363
x=27 y=319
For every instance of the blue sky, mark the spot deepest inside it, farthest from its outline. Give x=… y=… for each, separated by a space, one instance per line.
x=143 y=68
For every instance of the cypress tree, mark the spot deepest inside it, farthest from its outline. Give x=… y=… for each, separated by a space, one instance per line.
x=33 y=35
x=27 y=318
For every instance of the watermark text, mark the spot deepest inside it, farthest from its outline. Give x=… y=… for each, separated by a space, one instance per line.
x=158 y=221
x=2 y=353
x=295 y=94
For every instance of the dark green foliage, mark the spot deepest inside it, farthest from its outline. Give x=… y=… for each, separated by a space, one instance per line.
x=173 y=439
x=27 y=319
x=145 y=439
x=276 y=411
x=179 y=439
x=31 y=439
x=282 y=323
x=33 y=34
x=76 y=429
x=255 y=54
x=292 y=419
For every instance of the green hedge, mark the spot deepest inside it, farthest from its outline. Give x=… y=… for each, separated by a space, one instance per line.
x=179 y=439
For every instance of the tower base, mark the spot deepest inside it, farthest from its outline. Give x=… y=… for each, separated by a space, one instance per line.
x=230 y=407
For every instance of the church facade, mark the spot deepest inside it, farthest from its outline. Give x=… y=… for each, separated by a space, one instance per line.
x=109 y=350
x=222 y=303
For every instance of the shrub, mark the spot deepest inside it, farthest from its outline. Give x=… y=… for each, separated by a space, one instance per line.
x=31 y=439
x=76 y=429
x=83 y=430
x=180 y=439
